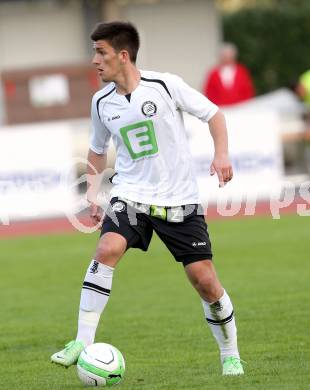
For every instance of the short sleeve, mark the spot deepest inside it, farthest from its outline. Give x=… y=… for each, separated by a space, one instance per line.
x=189 y=100
x=100 y=136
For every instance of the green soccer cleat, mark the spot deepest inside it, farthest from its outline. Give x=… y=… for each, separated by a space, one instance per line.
x=232 y=366
x=69 y=355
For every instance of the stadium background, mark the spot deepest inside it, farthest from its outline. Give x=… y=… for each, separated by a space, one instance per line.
x=45 y=91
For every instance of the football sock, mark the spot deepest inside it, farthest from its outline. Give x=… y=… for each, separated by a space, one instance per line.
x=94 y=297
x=220 y=317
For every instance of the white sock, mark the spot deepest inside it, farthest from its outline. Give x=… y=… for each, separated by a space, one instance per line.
x=94 y=297
x=220 y=317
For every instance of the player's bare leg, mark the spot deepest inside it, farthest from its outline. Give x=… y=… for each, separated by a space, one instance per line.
x=218 y=311
x=110 y=249
x=203 y=277
x=94 y=296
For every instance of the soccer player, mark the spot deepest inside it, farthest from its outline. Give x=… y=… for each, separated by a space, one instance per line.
x=155 y=186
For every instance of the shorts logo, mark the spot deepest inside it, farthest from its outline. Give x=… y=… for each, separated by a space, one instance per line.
x=203 y=243
x=94 y=267
x=118 y=206
x=149 y=108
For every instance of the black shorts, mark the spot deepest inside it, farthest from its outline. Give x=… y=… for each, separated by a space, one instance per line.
x=188 y=241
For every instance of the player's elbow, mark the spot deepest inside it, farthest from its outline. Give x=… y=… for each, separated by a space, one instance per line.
x=218 y=117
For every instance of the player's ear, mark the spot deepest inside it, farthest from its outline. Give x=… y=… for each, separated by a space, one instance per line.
x=124 y=56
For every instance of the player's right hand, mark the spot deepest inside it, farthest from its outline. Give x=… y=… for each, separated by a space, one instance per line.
x=96 y=213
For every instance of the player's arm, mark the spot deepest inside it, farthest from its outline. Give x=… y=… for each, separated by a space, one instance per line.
x=221 y=164
x=96 y=164
x=193 y=102
x=96 y=161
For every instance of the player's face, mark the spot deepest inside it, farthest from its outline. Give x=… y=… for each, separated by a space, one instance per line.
x=106 y=60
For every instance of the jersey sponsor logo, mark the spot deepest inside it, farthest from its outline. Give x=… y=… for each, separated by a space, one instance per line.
x=140 y=139
x=118 y=206
x=149 y=108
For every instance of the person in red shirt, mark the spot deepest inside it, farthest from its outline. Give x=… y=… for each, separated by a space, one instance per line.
x=229 y=82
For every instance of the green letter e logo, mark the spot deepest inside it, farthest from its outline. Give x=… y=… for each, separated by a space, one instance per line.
x=140 y=139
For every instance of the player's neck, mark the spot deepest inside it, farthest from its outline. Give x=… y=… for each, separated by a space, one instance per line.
x=128 y=80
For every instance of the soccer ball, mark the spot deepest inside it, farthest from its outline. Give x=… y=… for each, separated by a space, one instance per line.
x=101 y=364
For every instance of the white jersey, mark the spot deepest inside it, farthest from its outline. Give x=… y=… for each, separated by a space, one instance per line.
x=153 y=161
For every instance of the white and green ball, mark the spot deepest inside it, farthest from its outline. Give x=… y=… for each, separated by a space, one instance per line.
x=101 y=364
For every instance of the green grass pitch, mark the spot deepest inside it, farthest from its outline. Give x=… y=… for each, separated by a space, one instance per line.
x=154 y=317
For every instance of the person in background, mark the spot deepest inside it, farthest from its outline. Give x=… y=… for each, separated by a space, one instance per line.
x=229 y=82
x=303 y=88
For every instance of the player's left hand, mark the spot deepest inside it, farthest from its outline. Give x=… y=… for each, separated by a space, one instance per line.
x=221 y=165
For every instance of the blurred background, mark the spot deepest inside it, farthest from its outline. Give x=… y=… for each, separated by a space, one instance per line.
x=250 y=57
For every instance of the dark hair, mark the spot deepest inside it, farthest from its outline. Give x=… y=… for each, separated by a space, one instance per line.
x=120 y=35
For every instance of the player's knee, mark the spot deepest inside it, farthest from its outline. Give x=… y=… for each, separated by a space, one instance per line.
x=208 y=286
x=107 y=252
x=204 y=282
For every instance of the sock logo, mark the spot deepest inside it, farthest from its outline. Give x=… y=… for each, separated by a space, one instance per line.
x=217 y=306
x=94 y=267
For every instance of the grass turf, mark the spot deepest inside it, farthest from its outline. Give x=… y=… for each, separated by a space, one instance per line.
x=154 y=317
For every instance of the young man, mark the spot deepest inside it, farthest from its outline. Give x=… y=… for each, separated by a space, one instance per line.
x=155 y=186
